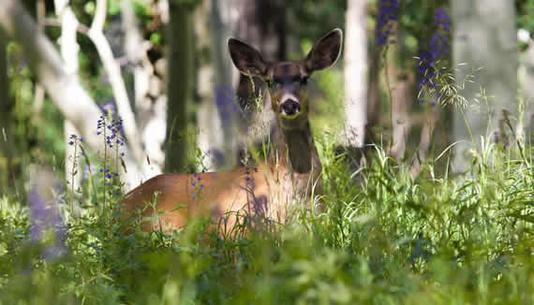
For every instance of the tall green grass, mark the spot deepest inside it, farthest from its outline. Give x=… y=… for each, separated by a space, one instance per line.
x=382 y=239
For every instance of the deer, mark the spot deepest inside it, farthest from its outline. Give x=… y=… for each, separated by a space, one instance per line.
x=291 y=174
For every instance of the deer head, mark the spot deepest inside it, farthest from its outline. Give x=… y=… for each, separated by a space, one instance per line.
x=287 y=80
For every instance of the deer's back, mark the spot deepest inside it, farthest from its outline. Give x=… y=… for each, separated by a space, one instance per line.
x=176 y=198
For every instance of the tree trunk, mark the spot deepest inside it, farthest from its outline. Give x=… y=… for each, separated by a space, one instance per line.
x=400 y=82
x=69 y=52
x=484 y=37
x=430 y=119
x=217 y=113
x=7 y=148
x=180 y=86
x=113 y=72
x=221 y=24
x=525 y=127
x=373 y=94
x=400 y=118
x=355 y=58
x=148 y=91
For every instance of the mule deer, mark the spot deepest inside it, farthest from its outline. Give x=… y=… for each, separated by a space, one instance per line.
x=288 y=175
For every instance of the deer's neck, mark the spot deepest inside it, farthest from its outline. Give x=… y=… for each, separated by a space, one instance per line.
x=296 y=151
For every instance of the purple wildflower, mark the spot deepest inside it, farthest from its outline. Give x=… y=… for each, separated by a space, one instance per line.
x=438 y=48
x=425 y=68
x=198 y=186
x=74 y=139
x=113 y=132
x=442 y=19
x=45 y=217
x=224 y=99
x=100 y=125
x=388 y=13
x=439 y=42
x=108 y=107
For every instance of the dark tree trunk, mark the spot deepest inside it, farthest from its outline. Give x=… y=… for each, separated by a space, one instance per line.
x=6 y=119
x=180 y=86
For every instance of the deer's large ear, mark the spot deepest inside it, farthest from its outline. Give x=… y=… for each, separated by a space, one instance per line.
x=325 y=52
x=247 y=59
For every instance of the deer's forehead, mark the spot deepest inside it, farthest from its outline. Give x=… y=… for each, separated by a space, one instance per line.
x=287 y=71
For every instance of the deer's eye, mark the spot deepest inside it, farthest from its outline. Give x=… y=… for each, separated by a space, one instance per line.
x=273 y=84
x=304 y=80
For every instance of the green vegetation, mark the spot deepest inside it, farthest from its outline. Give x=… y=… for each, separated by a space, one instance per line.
x=383 y=239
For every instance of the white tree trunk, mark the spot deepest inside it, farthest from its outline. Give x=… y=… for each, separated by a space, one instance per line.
x=69 y=52
x=210 y=130
x=150 y=101
x=484 y=37
x=400 y=119
x=64 y=89
x=525 y=127
x=113 y=71
x=430 y=119
x=355 y=57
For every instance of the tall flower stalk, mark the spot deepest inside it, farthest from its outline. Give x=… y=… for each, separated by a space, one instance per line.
x=388 y=15
x=76 y=142
x=111 y=130
x=438 y=49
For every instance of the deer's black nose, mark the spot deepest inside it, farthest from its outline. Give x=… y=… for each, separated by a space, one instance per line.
x=290 y=107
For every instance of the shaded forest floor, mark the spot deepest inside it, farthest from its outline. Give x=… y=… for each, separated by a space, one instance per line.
x=385 y=239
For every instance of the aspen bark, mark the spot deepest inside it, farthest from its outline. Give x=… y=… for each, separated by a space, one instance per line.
x=355 y=58
x=484 y=37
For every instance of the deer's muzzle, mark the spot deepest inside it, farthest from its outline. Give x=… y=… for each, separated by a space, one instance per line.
x=290 y=108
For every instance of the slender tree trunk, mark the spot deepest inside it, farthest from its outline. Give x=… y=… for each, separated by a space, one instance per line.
x=401 y=82
x=180 y=86
x=69 y=52
x=221 y=24
x=113 y=71
x=400 y=118
x=373 y=94
x=430 y=119
x=355 y=58
x=525 y=127
x=39 y=94
x=7 y=148
x=484 y=37
x=217 y=113
x=148 y=91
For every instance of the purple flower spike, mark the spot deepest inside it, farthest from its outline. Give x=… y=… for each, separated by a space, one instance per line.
x=438 y=48
x=388 y=13
x=45 y=217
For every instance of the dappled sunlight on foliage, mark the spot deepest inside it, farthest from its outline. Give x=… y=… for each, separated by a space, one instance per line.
x=389 y=239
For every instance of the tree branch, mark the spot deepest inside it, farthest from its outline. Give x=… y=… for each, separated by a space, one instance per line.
x=113 y=70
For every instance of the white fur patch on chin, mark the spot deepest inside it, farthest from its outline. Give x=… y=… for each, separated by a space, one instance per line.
x=286 y=116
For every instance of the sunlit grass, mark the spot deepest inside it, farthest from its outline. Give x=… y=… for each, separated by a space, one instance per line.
x=385 y=239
